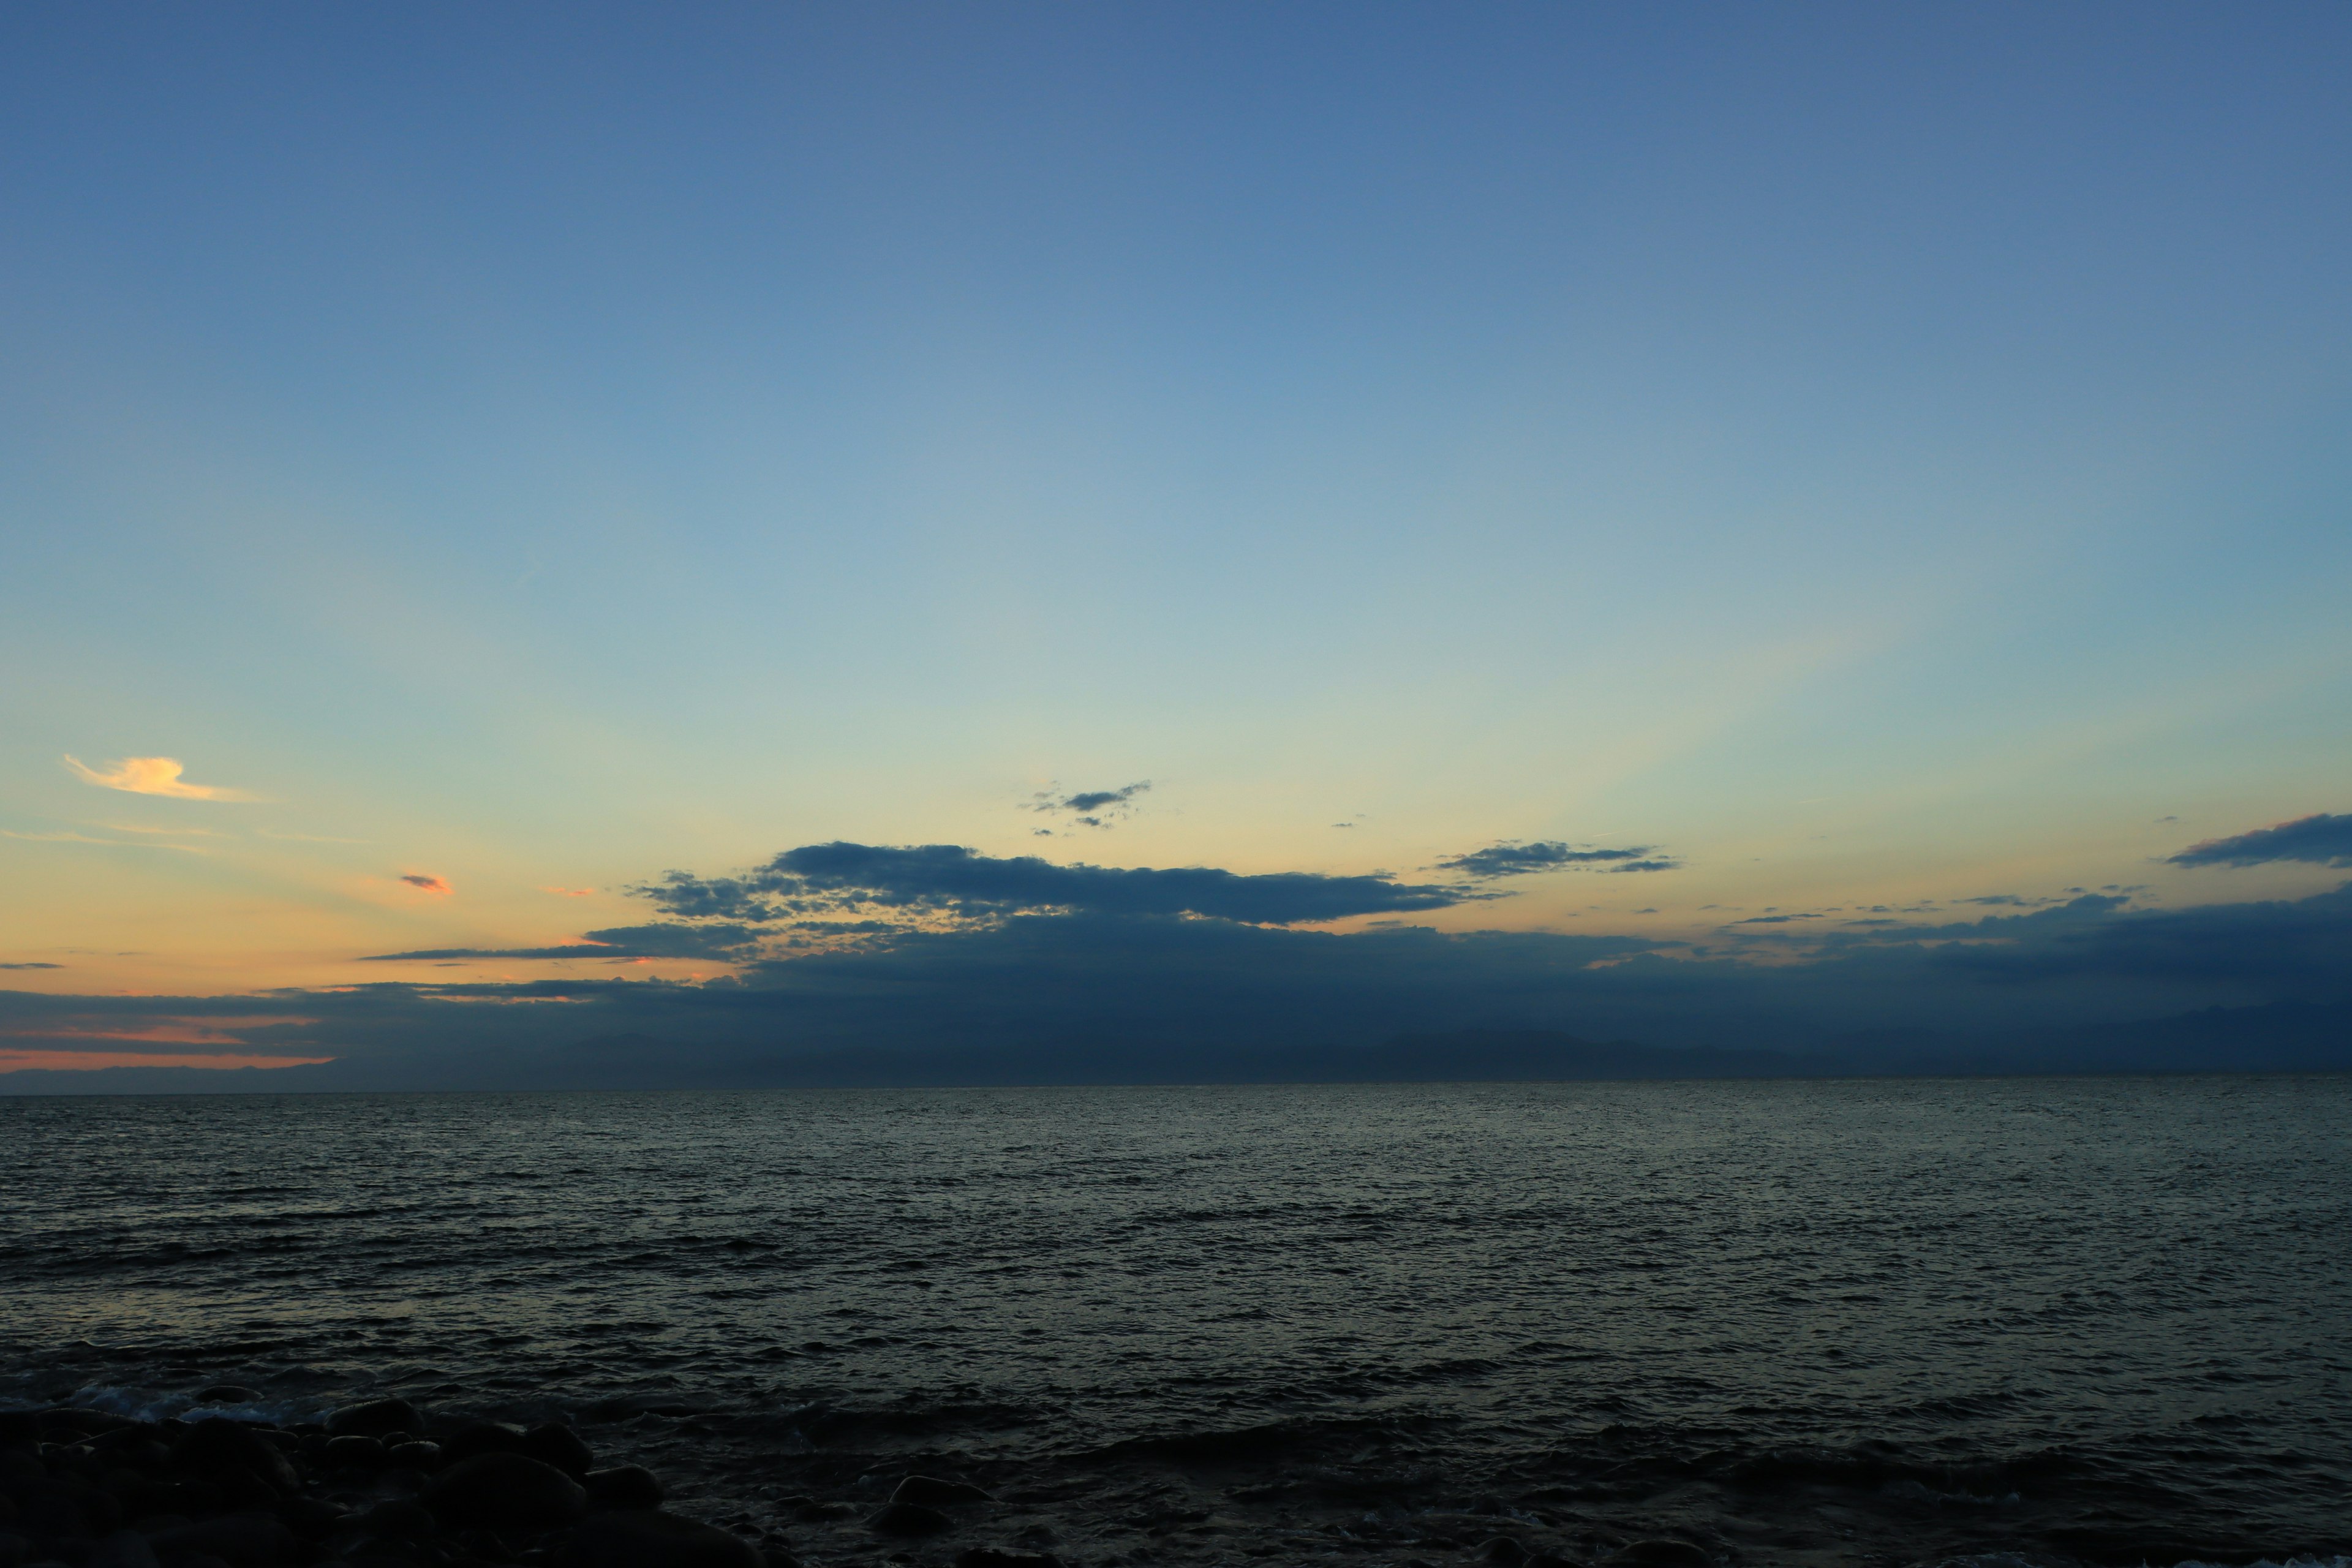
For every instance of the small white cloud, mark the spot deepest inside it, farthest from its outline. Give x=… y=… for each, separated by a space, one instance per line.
x=150 y=776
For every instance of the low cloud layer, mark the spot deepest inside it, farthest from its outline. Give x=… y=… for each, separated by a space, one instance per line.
x=2322 y=840
x=150 y=776
x=1513 y=859
x=948 y=880
x=1085 y=994
x=936 y=963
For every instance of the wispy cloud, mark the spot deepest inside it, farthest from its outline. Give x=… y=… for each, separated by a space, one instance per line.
x=68 y=837
x=1092 y=807
x=663 y=938
x=151 y=775
x=307 y=838
x=166 y=832
x=1515 y=860
x=31 y=966
x=423 y=883
x=2323 y=839
x=570 y=892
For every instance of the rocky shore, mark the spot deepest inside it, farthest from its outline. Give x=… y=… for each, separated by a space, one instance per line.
x=384 y=1485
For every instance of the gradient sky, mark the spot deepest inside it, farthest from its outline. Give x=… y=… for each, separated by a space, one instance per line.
x=1863 y=456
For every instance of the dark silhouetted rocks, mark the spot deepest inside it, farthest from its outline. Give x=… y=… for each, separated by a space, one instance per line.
x=1660 y=1554
x=560 y=1447
x=624 y=1486
x=999 y=1557
x=663 y=1541
x=355 y=1453
x=231 y=1454
x=478 y=1438
x=239 y=1540
x=909 y=1518
x=377 y=1418
x=505 y=1491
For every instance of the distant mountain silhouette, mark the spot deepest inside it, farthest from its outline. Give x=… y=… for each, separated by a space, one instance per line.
x=2280 y=1038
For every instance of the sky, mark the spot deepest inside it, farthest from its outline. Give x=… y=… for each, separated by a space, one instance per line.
x=1669 y=501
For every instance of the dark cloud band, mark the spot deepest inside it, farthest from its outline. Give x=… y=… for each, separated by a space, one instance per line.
x=825 y=878
x=1521 y=860
x=2322 y=840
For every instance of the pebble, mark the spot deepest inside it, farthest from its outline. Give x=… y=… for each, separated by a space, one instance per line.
x=505 y=1491
x=560 y=1447
x=909 y=1518
x=664 y=1540
x=624 y=1486
x=377 y=1418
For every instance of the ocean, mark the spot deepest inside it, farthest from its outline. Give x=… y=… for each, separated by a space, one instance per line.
x=1899 y=1321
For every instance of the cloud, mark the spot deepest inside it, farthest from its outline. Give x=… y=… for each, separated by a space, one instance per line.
x=1516 y=859
x=1100 y=994
x=68 y=837
x=1096 y=808
x=31 y=966
x=151 y=775
x=570 y=892
x=663 y=938
x=427 y=884
x=955 y=881
x=2321 y=839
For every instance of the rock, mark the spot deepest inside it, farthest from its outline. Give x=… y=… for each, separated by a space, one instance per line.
x=13 y=1549
x=311 y=1518
x=822 y=1512
x=229 y=1393
x=45 y=1508
x=624 y=1486
x=479 y=1437
x=354 y=1453
x=123 y=1549
x=1661 y=1554
x=560 y=1447
x=662 y=1541
x=932 y=1493
x=413 y=1456
x=505 y=1491
x=998 y=1557
x=398 y=1519
x=909 y=1518
x=377 y=1418
x=215 y=1448
x=1503 y=1552
x=239 y=1540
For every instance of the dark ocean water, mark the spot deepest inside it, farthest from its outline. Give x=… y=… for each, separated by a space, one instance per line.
x=1899 y=1321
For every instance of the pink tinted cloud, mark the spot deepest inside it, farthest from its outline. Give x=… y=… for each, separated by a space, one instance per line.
x=150 y=776
x=428 y=884
x=569 y=892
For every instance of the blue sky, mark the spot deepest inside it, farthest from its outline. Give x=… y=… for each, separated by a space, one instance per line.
x=1872 y=455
